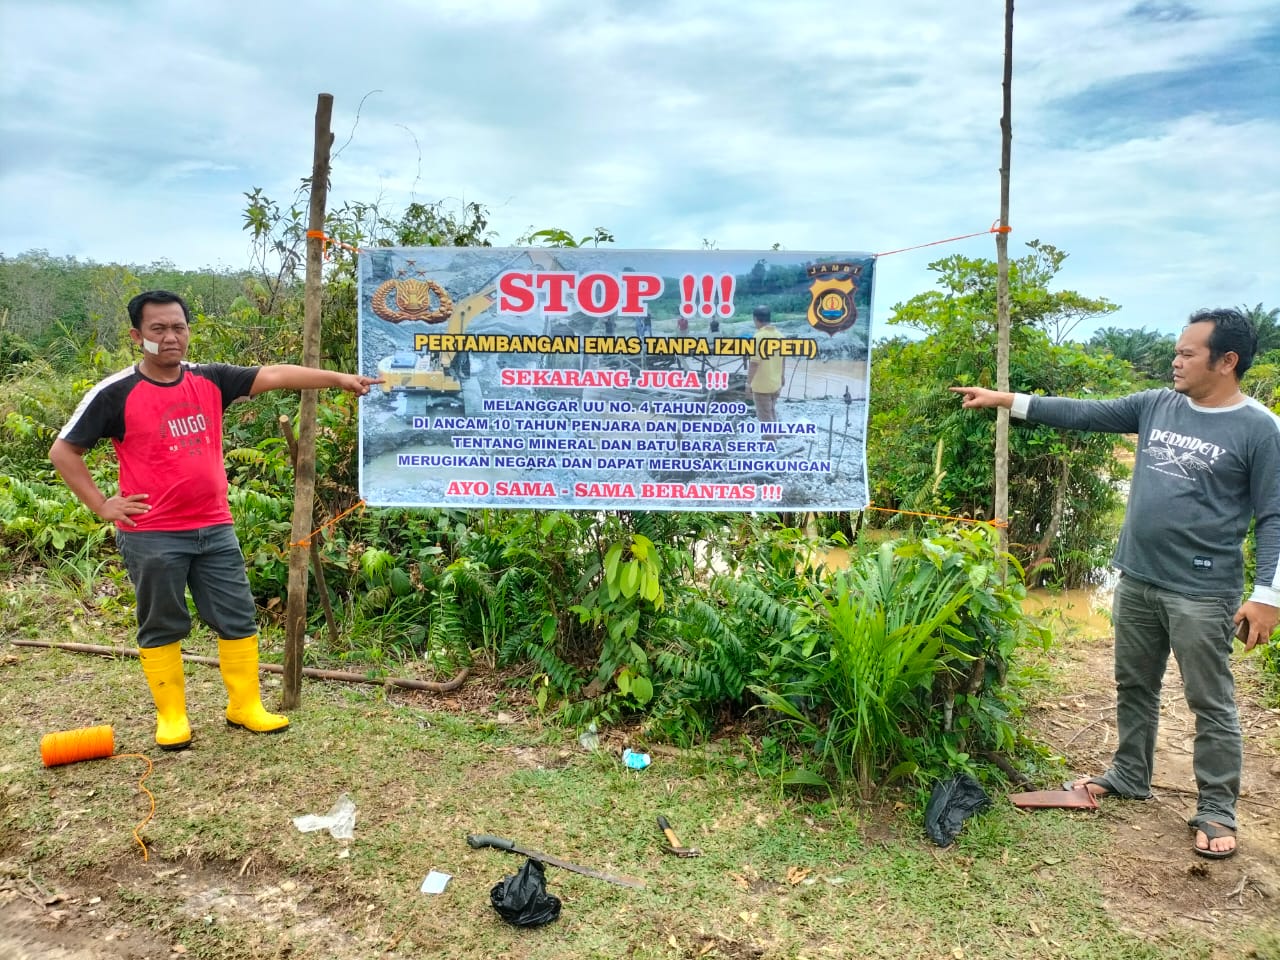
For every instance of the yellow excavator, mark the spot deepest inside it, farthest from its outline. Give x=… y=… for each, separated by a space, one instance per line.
x=444 y=374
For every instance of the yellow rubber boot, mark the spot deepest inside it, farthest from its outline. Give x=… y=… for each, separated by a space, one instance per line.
x=238 y=660
x=162 y=667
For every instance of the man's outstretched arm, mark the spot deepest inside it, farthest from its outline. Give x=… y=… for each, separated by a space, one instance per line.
x=288 y=376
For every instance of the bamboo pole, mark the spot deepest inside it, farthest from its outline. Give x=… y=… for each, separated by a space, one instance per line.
x=1002 y=291
x=304 y=479
x=317 y=564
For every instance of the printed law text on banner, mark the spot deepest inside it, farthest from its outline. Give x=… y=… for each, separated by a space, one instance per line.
x=615 y=379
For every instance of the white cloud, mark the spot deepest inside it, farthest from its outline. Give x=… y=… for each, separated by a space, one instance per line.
x=130 y=131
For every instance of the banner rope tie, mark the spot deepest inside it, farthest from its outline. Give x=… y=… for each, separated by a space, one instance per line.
x=328 y=241
x=306 y=541
x=994 y=228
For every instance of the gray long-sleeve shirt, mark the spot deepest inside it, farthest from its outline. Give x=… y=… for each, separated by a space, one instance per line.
x=1201 y=474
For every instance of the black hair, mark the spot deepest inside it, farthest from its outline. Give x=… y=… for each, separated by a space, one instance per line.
x=156 y=297
x=761 y=313
x=1233 y=332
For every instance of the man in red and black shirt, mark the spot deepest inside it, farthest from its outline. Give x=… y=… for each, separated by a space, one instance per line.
x=173 y=523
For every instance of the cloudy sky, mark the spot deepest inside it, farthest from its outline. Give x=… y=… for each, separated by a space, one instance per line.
x=1146 y=132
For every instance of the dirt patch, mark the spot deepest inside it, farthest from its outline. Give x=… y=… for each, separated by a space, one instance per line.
x=175 y=907
x=1152 y=878
x=108 y=917
x=41 y=924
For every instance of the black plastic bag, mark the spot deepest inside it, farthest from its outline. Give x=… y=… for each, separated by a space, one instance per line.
x=523 y=900
x=951 y=802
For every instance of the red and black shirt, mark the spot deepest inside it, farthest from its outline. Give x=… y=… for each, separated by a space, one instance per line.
x=168 y=439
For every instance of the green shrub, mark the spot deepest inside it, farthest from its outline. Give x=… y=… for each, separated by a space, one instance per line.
x=897 y=665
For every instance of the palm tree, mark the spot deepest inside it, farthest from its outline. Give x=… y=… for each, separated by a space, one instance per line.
x=1149 y=352
x=1267 y=323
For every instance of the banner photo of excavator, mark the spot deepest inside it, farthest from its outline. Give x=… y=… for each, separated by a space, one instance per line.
x=594 y=378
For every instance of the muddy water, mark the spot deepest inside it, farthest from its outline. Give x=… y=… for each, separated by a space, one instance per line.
x=1084 y=612
x=822 y=380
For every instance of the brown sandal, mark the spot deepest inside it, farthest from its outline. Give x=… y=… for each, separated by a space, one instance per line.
x=1213 y=831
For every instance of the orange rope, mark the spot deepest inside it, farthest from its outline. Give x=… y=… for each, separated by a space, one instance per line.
x=941 y=516
x=306 y=541
x=147 y=819
x=995 y=228
x=328 y=240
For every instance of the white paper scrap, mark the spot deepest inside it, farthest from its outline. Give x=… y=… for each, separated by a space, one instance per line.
x=435 y=882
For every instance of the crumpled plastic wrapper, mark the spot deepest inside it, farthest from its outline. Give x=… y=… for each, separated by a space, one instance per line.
x=340 y=821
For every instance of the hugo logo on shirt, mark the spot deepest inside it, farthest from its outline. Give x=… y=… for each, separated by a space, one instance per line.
x=185 y=427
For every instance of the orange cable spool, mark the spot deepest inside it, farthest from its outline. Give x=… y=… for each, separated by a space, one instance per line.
x=94 y=743
x=70 y=746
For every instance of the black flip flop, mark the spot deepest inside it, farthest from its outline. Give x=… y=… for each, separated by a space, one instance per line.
x=1213 y=831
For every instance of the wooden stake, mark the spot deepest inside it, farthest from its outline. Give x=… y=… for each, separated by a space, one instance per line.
x=1002 y=292
x=317 y=564
x=304 y=478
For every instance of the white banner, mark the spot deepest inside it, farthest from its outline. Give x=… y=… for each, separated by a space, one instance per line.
x=615 y=379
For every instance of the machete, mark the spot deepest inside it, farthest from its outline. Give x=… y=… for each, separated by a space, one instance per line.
x=480 y=840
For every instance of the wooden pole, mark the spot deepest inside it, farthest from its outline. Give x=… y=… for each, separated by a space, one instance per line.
x=304 y=477
x=1002 y=288
x=317 y=564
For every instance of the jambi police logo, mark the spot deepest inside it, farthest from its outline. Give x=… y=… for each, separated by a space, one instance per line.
x=410 y=298
x=831 y=308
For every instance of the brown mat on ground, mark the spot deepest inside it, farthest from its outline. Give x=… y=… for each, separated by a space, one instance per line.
x=1078 y=799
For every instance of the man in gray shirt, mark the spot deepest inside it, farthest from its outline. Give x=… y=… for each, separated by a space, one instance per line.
x=1208 y=463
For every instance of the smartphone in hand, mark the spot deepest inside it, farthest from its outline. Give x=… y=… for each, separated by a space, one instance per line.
x=1242 y=631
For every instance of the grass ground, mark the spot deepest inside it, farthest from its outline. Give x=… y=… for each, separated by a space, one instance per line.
x=227 y=875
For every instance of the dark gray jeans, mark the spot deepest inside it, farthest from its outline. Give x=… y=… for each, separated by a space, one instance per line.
x=1149 y=622
x=163 y=564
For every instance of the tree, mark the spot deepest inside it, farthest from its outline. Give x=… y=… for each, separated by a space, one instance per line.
x=926 y=454
x=1149 y=352
x=72 y=312
x=1268 y=324
x=45 y=295
x=279 y=237
x=1263 y=379
x=971 y=283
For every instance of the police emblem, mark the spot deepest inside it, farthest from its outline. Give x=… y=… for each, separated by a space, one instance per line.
x=409 y=298
x=831 y=307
